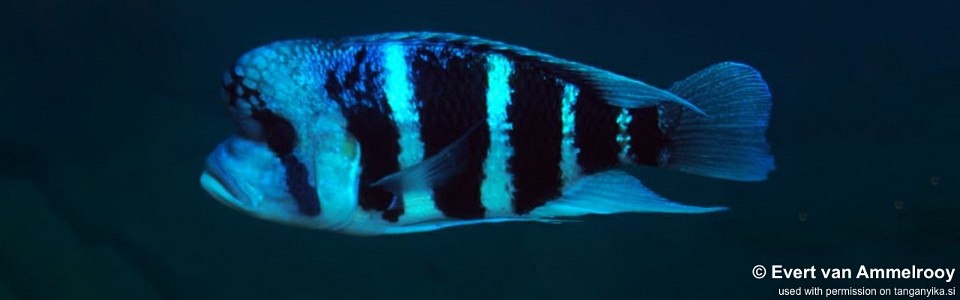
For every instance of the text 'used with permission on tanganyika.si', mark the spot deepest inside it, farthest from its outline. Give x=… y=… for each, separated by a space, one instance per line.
x=863 y=272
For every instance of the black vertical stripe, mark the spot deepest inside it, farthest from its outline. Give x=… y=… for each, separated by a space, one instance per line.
x=368 y=120
x=536 y=136
x=298 y=183
x=452 y=90
x=281 y=137
x=646 y=140
x=596 y=132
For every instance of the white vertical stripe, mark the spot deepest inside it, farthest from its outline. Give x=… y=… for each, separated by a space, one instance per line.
x=398 y=88
x=399 y=92
x=623 y=137
x=496 y=192
x=568 y=152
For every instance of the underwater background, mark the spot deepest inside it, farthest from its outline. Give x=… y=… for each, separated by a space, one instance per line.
x=108 y=109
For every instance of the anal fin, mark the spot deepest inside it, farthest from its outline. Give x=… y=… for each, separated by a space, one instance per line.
x=440 y=224
x=612 y=192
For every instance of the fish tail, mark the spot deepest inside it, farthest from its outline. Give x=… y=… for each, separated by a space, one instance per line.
x=728 y=140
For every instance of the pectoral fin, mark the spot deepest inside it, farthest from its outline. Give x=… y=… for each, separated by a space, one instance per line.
x=429 y=173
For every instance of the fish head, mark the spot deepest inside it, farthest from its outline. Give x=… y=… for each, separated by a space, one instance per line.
x=291 y=160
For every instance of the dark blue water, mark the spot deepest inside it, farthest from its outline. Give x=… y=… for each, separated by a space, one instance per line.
x=109 y=108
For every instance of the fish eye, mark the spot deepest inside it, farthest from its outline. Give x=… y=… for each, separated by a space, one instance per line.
x=280 y=135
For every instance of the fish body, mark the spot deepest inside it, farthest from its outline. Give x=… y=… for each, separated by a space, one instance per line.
x=413 y=132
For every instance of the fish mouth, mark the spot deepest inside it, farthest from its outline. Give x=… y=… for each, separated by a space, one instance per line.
x=215 y=181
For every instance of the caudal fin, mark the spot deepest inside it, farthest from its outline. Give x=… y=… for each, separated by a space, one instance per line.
x=729 y=141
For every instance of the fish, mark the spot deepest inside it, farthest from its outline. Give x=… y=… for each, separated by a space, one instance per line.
x=412 y=132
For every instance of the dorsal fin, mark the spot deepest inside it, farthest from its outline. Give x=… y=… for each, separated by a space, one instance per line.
x=617 y=90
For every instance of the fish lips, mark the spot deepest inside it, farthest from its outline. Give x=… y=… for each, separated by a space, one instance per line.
x=218 y=182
